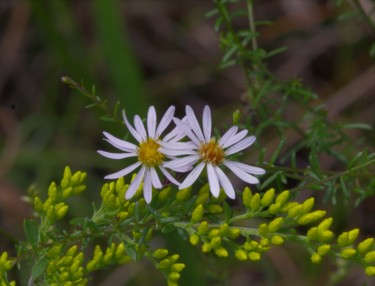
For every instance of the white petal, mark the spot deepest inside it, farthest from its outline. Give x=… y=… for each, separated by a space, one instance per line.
x=120 y=144
x=131 y=129
x=123 y=172
x=241 y=174
x=185 y=129
x=169 y=176
x=151 y=122
x=225 y=183
x=194 y=123
x=213 y=181
x=183 y=169
x=165 y=121
x=134 y=185
x=155 y=179
x=173 y=152
x=236 y=138
x=140 y=127
x=243 y=144
x=176 y=134
x=178 y=145
x=227 y=135
x=248 y=168
x=192 y=177
x=147 y=187
x=176 y=163
x=116 y=156
x=207 y=123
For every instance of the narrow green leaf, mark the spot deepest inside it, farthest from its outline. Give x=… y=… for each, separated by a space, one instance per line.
x=39 y=267
x=31 y=229
x=358 y=126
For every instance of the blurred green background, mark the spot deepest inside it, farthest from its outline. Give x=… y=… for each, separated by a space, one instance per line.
x=162 y=52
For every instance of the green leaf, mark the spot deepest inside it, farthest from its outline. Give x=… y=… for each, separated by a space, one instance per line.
x=31 y=229
x=228 y=212
x=358 y=126
x=39 y=267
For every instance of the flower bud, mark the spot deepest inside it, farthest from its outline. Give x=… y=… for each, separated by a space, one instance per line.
x=240 y=254
x=348 y=252
x=275 y=225
x=221 y=252
x=282 y=198
x=194 y=239
x=254 y=256
x=365 y=245
x=347 y=237
x=267 y=198
x=183 y=195
x=246 y=197
x=308 y=205
x=255 y=202
x=311 y=217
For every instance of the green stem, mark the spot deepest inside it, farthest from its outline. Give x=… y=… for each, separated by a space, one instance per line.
x=368 y=19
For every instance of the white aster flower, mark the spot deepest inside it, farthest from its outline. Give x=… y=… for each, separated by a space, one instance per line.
x=212 y=153
x=150 y=157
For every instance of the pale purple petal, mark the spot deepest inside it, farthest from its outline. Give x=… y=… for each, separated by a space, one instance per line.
x=183 y=169
x=248 y=168
x=227 y=135
x=123 y=172
x=173 y=152
x=243 y=144
x=151 y=122
x=178 y=145
x=120 y=144
x=176 y=134
x=131 y=129
x=213 y=181
x=116 y=156
x=185 y=129
x=194 y=123
x=225 y=183
x=147 y=186
x=134 y=185
x=169 y=176
x=241 y=174
x=176 y=163
x=155 y=179
x=207 y=123
x=236 y=138
x=192 y=177
x=165 y=121
x=140 y=127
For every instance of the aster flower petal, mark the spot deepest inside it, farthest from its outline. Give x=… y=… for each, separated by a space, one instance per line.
x=120 y=144
x=192 y=177
x=241 y=173
x=134 y=185
x=227 y=135
x=236 y=138
x=169 y=176
x=176 y=134
x=124 y=171
x=147 y=186
x=248 y=168
x=243 y=144
x=155 y=179
x=140 y=127
x=225 y=183
x=131 y=129
x=213 y=181
x=186 y=130
x=180 y=162
x=173 y=152
x=184 y=169
x=151 y=122
x=194 y=123
x=116 y=156
x=207 y=123
x=165 y=121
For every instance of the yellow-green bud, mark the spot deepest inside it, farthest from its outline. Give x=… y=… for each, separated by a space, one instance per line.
x=365 y=245
x=54 y=251
x=206 y=247
x=76 y=178
x=214 y=209
x=263 y=229
x=197 y=214
x=221 y=252
x=324 y=249
x=120 y=250
x=213 y=233
x=52 y=191
x=177 y=267
x=122 y=215
x=160 y=253
x=277 y=240
x=311 y=217
x=65 y=182
x=274 y=208
x=64 y=277
x=240 y=254
x=312 y=233
x=120 y=183
x=183 y=195
x=308 y=205
x=174 y=275
x=348 y=252
x=234 y=232
x=246 y=197
x=324 y=235
x=288 y=206
x=264 y=242
x=254 y=256
x=267 y=198
x=347 y=237
x=316 y=258
x=370 y=257
x=370 y=270
x=236 y=116
x=203 y=228
x=203 y=195
x=164 y=264
x=255 y=202
x=38 y=204
x=194 y=239
x=164 y=193
x=216 y=242
x=282 y=198
x=67 y=192
x=224 y=228
x=275 y=225
x=325 y=224
x=61 y=211
x=295 y=211
x=72 y=251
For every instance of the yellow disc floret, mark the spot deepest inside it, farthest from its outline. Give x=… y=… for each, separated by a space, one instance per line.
x=148 y=153
x=211 y=152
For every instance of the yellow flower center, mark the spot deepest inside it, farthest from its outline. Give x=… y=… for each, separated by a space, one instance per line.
x=211 y=152
x=148 y=153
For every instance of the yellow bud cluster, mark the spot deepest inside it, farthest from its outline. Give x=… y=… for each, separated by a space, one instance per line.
x=6 y=264
x=252 y=250
x=168 y=265
x=67 y=268
x=114 y=254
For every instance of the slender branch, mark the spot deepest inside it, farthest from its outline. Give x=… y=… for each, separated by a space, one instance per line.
x=368 y=19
